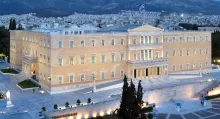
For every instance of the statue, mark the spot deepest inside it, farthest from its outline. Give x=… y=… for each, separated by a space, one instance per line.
x=94 y=86
x=8 y=96
x=6 y=59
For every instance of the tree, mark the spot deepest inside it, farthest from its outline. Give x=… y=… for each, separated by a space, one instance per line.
x=43 y=109
x=78 y=102
x=140 y=94
x=123 y=106
x=67 y=104
x=55 y=106
x=89 y=100
x=12 y=24
x=20 y=27
x=133 y=107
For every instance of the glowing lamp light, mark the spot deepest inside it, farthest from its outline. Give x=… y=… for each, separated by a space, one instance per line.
x=94 y=114
x=79 y=116
x=86 y=116
x=109 y=112
x=25 y=110
x=101 y=113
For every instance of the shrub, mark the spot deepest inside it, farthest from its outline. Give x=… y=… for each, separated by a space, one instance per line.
x=150 y=116
x=43 y=109
x=78 y=102
x=146 y=109
x=212 y=97
x=67 y=104
x=89 y=100
x=55 y=106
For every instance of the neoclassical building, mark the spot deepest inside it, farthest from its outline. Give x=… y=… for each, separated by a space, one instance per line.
x=68 y=59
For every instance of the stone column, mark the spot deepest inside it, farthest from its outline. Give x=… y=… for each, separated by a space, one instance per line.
x=140 y=55
x=129 y=76
x=148 y=71
x=145 y=73
x=128 y=55
x=156 y=71
x=152 y=54
x=140 y=73
x=148 y=56
x=152 y=71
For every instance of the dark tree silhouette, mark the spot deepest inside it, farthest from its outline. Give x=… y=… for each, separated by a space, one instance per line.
x=12 y=24
x=140 y=94
x=20 y=27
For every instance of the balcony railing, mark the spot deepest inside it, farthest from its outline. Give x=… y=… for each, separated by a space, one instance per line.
x=146 y=63
x=145 y=46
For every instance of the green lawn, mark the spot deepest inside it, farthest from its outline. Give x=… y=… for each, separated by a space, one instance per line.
x=27 y=84
x=212 y=97
x=1 y=96
x=9 y=70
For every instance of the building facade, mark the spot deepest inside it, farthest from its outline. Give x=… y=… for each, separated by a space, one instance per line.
x=65 y=60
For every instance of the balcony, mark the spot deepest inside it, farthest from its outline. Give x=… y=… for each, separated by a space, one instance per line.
x=29 y=59
x=149 y=63
x=144 y=46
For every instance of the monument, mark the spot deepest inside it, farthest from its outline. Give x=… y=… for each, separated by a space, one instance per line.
x=8 y=96
x=94 y=87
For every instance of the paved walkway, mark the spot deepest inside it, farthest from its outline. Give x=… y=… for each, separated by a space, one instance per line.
x=211 y=113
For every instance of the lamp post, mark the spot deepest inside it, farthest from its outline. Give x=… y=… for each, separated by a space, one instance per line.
x=94 y=85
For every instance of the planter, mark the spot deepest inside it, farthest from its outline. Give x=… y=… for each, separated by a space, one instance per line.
x=7 y=73
x=25 y=89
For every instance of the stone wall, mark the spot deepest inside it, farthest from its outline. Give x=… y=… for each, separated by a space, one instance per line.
x=174 y=93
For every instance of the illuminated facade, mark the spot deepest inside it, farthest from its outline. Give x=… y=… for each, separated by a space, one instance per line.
x=69 y=59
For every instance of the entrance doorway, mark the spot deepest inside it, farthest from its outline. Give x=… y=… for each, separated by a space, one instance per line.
x=33 y=71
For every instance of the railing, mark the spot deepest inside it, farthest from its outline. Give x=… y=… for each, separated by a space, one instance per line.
x=148 y=61
x=143 y=46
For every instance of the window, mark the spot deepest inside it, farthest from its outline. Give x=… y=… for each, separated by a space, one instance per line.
x=181 y=67
x=103 y=75
x=146 y=55
x=135 y=56
x=93 y=43
x=174 y=67
x=187 y=66
x=150 y=54
x=181 y=52
x=174 y=39
x=194 y=65
x=194 y=51
x=200 y=65
x=60 y=80
x=157 y=40
x=187 y=52
x=82 y=59
x=71 y=61
x=60 y=61
x=166 y=53
x=146 y=39
x=122 y=56
x=142 y=40
x=166 y=40
x=174 y=53
x=113 y=57
x=103 y=42
x=122 y=41
x=206 y=51
x=187 y=39
x=93 y=59
x=60 y=44
x=206 y=38
x=113 y=74
x=82 y=77
x=206 y=64
x=71 y=78
x=113 y=42
x=200 y=51
x=181 y=39
x=194 y=39
x=103 y=58
x=93 y=76
x=134 y=41
x=71 y=44
x=150 y=40
x=122 y=73
x=82 y=43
